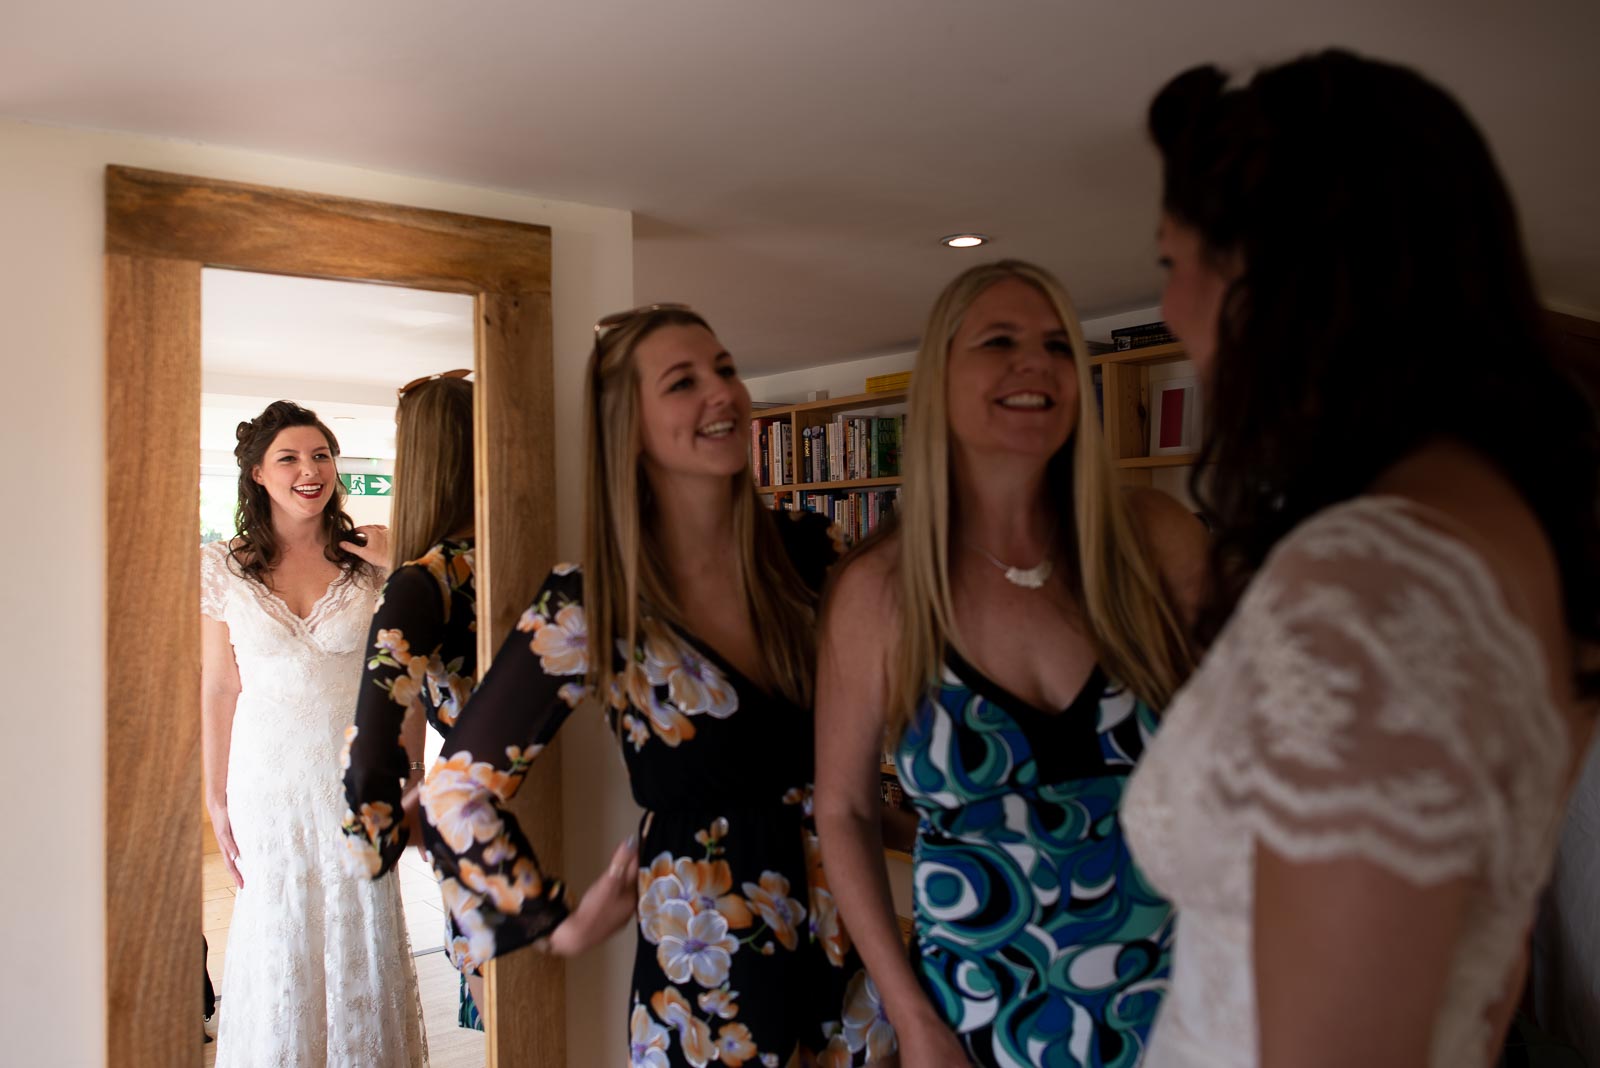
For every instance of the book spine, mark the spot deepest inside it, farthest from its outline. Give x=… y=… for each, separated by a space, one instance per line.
x=1142 y=330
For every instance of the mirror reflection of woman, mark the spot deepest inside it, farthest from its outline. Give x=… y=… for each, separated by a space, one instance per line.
x=318 y=972
x=422 y=646
x=709 y=598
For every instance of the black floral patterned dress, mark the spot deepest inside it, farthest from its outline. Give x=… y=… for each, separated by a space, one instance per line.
x=422 y=660
x=741 y=956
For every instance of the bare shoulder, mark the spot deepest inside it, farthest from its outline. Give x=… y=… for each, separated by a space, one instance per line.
x=1177 y=540
x=863 y=588
x=1477 y=504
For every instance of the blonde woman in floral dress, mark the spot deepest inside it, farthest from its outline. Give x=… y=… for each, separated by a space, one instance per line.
x=741 y=958
x=422 y=646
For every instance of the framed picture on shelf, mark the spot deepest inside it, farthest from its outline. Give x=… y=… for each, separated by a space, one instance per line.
x=1174 y=416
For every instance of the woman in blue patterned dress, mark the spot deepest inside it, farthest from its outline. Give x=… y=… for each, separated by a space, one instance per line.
x=1012 y=638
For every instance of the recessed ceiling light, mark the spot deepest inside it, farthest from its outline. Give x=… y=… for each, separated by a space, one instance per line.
x=964 y=240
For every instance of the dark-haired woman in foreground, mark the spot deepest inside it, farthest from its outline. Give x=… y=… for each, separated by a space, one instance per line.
x=1354 y=801
x=319 y=969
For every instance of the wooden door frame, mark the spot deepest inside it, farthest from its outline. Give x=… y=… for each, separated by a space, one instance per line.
x=161 y=230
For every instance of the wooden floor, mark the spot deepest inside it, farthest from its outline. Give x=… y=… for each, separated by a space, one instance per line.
x=449 y=1046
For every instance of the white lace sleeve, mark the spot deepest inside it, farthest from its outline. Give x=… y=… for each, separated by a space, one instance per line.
x=213 y=581
x=1393 y=709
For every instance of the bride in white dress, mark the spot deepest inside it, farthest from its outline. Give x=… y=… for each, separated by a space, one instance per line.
x=318 y=972
x=1353 y=804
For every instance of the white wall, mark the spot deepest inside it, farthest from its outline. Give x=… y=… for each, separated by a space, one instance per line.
x=51 y=296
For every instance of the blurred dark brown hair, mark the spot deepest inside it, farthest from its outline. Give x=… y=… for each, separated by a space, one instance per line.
x=1384 y=301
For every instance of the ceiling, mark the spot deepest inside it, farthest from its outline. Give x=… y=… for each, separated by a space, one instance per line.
x=791 y=165
x=338 y=348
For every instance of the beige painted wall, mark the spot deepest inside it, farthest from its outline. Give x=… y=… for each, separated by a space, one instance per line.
x=52 y=346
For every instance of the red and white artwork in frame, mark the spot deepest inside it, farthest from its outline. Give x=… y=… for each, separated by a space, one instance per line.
x=1174 y=416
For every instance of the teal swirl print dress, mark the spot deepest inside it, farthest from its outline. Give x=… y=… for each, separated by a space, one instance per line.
x=1037 y=938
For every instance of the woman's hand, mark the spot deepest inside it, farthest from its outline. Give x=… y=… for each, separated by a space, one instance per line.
x=218 y=811
x=411 y=816
x=927 y=1042
x=607 y=905
x=376 y=549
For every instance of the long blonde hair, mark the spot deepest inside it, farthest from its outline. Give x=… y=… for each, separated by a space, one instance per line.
x=1136 y=632
x=433 y=467
x=625 y=573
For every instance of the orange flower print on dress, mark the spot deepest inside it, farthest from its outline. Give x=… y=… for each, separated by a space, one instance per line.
x=505 y=893
x=636 y=731
x=696 y=946
x=376 y=817
x=694 y=1034
x=773 y=904
x=719 y=1003
x=563 y=642
x=473 y=943
x=734 y=1045
x=437 y=565
x=459 y=795
x=866 y=1023
x=406 y=691
x=669 y=724
x=836 y=1054
x=707 y=884
x=695 y=686
x=647 y=1041
x=704 y=885
x=827 y=926
x=350 y=734
x=393 y=642
x=361 y=857
x=450 y=696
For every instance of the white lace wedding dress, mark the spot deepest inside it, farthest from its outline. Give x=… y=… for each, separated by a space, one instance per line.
x=318 y=972
x=1372 y=697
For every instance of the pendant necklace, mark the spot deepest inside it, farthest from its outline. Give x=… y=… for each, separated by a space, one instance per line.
x=1029 y=578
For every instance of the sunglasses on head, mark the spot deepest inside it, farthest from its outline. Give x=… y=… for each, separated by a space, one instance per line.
x=622 y=318
x=415 y=382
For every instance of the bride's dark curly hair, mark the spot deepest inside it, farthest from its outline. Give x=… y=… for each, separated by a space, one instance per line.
x=254 y=551
x=1384 y=301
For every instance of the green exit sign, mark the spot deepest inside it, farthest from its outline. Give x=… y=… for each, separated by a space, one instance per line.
x=360 y=485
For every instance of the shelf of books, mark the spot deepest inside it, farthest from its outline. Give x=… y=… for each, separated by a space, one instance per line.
x=840 y=458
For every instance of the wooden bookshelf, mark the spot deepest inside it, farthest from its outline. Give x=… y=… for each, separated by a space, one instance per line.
x=835 y=405
x=811 y=414
x=1149 y=356
x=1125 y=412
x=1177 y=459
x=824 y=487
